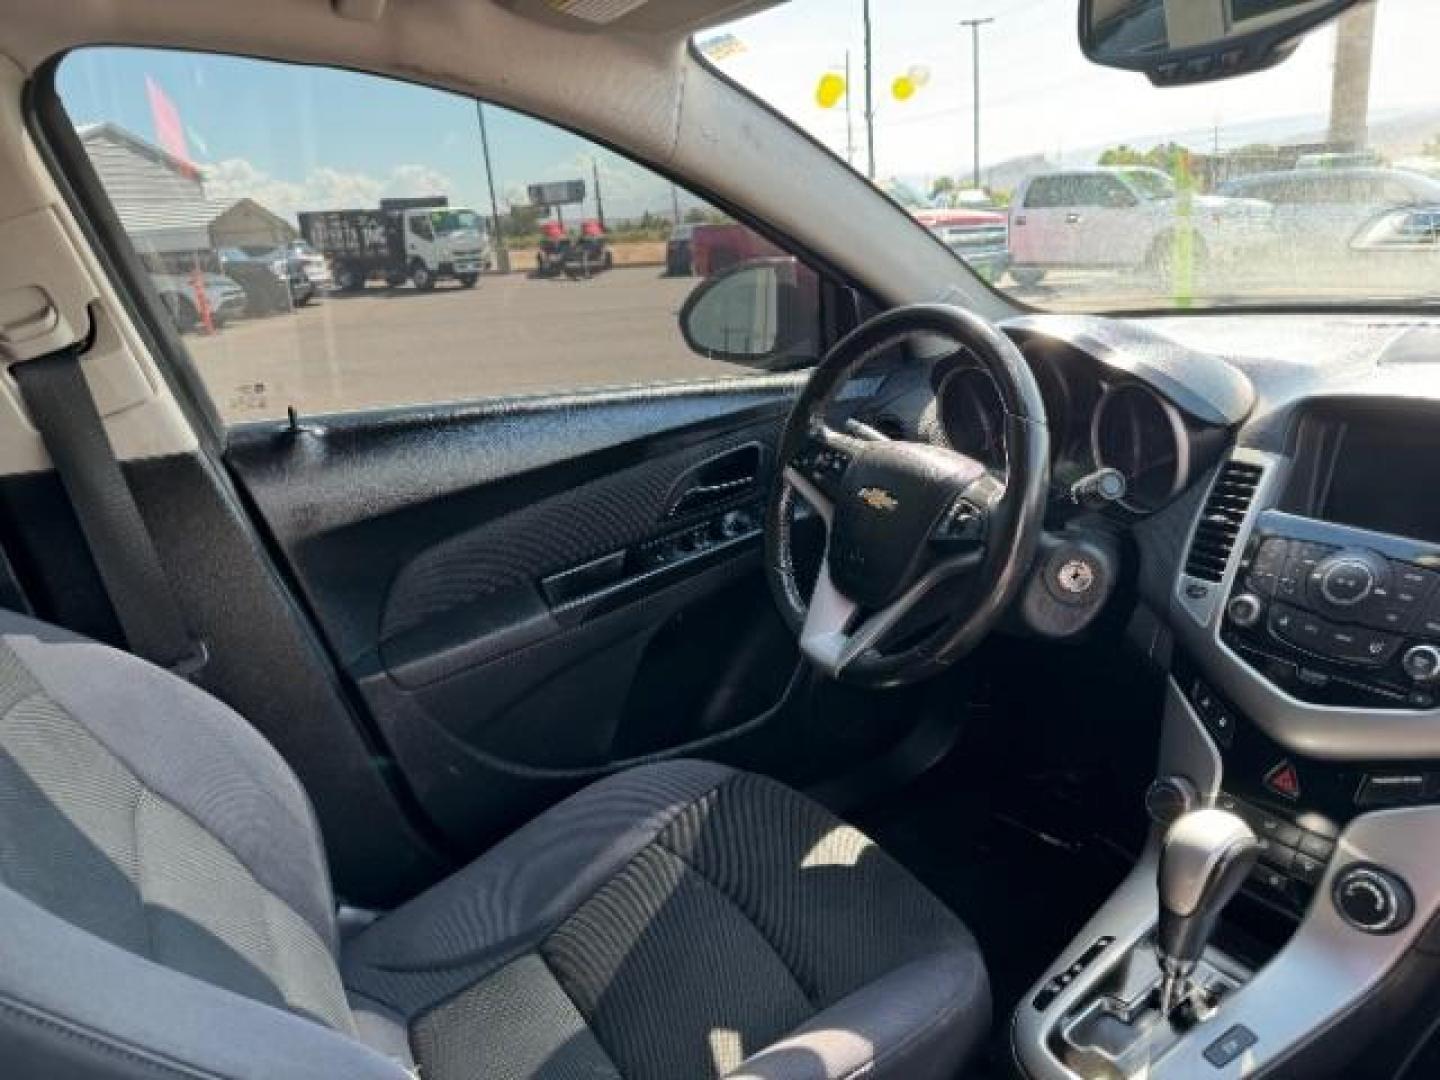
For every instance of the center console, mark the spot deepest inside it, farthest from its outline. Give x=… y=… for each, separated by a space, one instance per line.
x=1304 y=709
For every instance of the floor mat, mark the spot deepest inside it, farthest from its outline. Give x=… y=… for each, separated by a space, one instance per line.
x=1023 y=886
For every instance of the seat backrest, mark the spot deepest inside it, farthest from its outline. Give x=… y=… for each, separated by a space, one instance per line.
x=150 y=838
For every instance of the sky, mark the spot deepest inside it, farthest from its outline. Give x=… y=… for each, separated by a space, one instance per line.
x=1039 y=94
x=296 y=137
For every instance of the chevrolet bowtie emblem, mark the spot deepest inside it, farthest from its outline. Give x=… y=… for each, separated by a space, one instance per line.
x=878 y=499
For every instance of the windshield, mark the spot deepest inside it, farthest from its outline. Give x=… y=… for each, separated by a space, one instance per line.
x=452 y=221
x=1285 y=187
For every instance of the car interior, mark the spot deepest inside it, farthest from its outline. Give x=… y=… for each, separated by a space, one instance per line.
x=680 y=620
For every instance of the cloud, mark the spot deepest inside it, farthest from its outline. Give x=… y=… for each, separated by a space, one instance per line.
x=322 y=188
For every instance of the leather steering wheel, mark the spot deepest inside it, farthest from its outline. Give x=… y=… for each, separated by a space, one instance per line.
x=904 y=519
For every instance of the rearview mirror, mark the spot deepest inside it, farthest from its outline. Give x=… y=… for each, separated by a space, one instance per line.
x=1177 y=42
x=760 y=314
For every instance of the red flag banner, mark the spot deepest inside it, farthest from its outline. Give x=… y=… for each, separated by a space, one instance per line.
x=169 y=131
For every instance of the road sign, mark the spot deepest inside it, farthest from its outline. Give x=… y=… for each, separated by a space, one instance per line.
x=557 y=193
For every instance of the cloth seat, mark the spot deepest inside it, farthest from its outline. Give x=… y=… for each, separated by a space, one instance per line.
x=165 y=912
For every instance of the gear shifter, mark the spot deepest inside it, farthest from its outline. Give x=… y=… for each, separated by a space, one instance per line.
x=1203 y=861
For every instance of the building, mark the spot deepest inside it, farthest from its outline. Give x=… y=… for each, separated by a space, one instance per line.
x=159 y=199
x=246 y=224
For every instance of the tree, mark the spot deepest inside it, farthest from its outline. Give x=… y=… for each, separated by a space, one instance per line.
x=944 y=185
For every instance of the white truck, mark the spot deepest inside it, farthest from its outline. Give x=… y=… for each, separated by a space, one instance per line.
x=420 y=240
x=1124 y=217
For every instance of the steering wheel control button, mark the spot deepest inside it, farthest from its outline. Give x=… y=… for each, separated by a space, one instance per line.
x=1422 y=664
x=1284 y=780
x=1245 y=610
x=1229 y=1046
x=1372 y=899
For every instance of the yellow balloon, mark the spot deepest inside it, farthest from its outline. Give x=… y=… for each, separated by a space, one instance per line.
x=903 y=88
x=830 y=90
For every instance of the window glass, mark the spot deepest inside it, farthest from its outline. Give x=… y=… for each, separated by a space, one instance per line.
x=992 y=98
x=332 y=241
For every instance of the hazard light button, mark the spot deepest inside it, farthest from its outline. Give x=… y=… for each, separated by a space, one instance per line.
x=1284 y=781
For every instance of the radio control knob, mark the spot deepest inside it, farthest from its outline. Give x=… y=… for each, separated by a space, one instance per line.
x=1244 y=610
x=1422 y=664
x=1348 y=578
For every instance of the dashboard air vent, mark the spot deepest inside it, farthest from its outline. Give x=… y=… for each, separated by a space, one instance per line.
x=1220 y=520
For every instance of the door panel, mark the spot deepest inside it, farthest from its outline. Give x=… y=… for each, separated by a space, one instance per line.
x=526 y=599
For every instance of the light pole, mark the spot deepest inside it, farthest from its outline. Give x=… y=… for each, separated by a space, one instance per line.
x=974 y=25
x=502 y=254
x=869 y=100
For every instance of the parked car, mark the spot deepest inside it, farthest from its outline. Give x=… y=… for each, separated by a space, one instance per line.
x=311 y=263
x=272 y=281
x=967 y=221
x=224 y=297
x=679 y=261
x=1125 y=217
x=718 y=246
x=1318 y=211
x=980 y=237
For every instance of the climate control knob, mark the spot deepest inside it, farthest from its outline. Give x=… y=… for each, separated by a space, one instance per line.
x=1347 y=578
x=1244 y=610
x=1372 y=899
x=1422 y=664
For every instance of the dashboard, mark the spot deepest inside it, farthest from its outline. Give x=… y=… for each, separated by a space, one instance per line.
x=1272 y=464
x=1107 y=407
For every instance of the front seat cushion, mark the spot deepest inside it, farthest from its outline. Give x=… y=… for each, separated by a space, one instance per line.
x=681 y=920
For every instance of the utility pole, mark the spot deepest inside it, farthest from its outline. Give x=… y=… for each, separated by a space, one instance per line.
x=1350 y=85
x=599 y=203
x=502 y=255
x=974 y=25
x=869 y=99
x=849 y=124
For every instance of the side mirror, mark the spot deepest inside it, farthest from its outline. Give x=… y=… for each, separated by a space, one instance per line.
x=1176 y=42
x=1410 y=228
x=761 y=314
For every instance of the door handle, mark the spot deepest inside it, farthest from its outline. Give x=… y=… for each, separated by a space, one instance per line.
x=1020 y=221
x=1072 y=219
x=726 y=476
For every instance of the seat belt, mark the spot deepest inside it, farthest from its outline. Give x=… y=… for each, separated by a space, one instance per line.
x=64 y=410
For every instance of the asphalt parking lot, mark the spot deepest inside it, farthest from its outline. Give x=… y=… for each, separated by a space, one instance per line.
x=509 y=335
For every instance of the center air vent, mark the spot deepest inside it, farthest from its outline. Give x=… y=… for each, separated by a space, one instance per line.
x=1221 y=519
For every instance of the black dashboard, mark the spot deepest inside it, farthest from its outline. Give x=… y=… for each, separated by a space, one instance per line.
x=1156 y=413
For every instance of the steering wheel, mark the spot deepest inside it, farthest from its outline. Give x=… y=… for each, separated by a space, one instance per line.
x=907 y=523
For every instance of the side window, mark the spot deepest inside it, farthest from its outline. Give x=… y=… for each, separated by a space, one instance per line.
x=410 y=247
x=1044 y=192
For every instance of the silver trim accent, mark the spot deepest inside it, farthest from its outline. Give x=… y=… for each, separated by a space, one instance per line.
x=1323 y=973
x=1330 y=732
x=1177 y=430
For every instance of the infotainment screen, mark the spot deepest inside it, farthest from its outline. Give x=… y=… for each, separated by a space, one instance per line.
x=1385 y=476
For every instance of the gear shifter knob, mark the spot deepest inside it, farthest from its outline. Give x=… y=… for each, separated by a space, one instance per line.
x=1205 y=857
